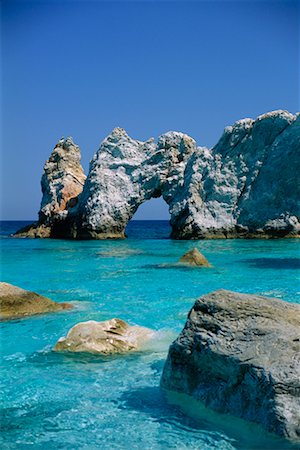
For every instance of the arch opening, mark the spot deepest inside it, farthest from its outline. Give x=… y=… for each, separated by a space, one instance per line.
x=151 y=220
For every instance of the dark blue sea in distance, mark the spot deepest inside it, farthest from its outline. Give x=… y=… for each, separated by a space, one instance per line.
x=55 y=401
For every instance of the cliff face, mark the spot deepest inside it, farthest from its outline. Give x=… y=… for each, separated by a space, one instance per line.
x=62 y=182
x=248 y=184
x=245 y=186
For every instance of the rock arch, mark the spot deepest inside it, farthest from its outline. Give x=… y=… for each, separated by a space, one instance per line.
x=125 y=173
x=245 y=186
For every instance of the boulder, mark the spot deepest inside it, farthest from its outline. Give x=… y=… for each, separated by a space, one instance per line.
x=16 y=303
x=104 y=338
x=194 y=258
x=240 y=354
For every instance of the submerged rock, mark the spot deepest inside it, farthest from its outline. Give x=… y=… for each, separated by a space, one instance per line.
x=194 y=258
x=105 y=338
x=16 y=303
x=240 y=354
x=245 y=186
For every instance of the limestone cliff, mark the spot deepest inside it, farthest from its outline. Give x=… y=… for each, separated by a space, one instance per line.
x=245 y=186
x=124 y=173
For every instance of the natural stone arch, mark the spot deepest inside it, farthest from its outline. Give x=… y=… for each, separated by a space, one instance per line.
x=245 y=186
x=124 y=174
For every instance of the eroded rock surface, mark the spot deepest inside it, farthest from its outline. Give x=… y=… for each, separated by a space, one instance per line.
x=16 y=303
x=61 y=183
x=104 y=338
x=240 y=354
x=245 y=186
x=124 y=173
x=194 y=258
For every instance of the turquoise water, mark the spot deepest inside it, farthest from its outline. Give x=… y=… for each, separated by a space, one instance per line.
x=55 y=401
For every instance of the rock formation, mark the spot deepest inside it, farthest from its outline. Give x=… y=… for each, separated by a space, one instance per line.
x=245 y=186
x=104 y=338
x=61 y=183
x=194 y=258
x=16 y=303
x=239 y=354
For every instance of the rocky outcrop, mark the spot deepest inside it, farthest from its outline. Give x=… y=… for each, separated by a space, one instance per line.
x=194 y=258
x=245 y=186
x=16 y=303
x=105 y=338
x=239 y=354
x=123 y=174
x=61 y=183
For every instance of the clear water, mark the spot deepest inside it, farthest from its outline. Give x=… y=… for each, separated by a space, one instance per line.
x=54 y=401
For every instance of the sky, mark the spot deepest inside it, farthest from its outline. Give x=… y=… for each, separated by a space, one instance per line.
x=81 y=68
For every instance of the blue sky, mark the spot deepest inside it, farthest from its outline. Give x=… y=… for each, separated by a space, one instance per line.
x=73 y=68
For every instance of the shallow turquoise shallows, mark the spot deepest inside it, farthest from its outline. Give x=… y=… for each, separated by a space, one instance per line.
x=55 y=401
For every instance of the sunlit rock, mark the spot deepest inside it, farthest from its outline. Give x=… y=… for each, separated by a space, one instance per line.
x=61 y=183
x=104 y=338
x=245 y=186
x=194 y=258
x=16 y=303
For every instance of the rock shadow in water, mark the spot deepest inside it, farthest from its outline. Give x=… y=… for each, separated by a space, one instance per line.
x=273 y=263
x=20 y=417
x=151 y=400
x=205 y=424
x=173 y=266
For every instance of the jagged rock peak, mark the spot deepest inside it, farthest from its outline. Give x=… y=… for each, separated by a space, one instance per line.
x=62 y=181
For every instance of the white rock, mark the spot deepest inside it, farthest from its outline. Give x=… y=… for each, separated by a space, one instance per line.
x=245 y=186
x=108 y=337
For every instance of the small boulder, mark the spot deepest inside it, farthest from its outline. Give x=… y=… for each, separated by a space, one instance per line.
x=105 y=338
x=194 y=258
x=240 y=354
x=16 y=303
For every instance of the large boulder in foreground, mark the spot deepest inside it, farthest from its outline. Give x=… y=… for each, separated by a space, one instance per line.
x=16 y=303
x=194 y=258
x=240 y=354
x=103 y=338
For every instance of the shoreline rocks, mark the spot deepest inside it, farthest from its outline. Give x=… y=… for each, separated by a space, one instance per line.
x=246 y=186
x=194 y=258
x=239 y=354
x=16 y=303
x=103 y=338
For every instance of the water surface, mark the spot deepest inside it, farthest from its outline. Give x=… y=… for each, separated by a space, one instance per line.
x=85 y=402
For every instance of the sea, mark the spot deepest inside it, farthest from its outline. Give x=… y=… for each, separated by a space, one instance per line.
x=58 y=401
